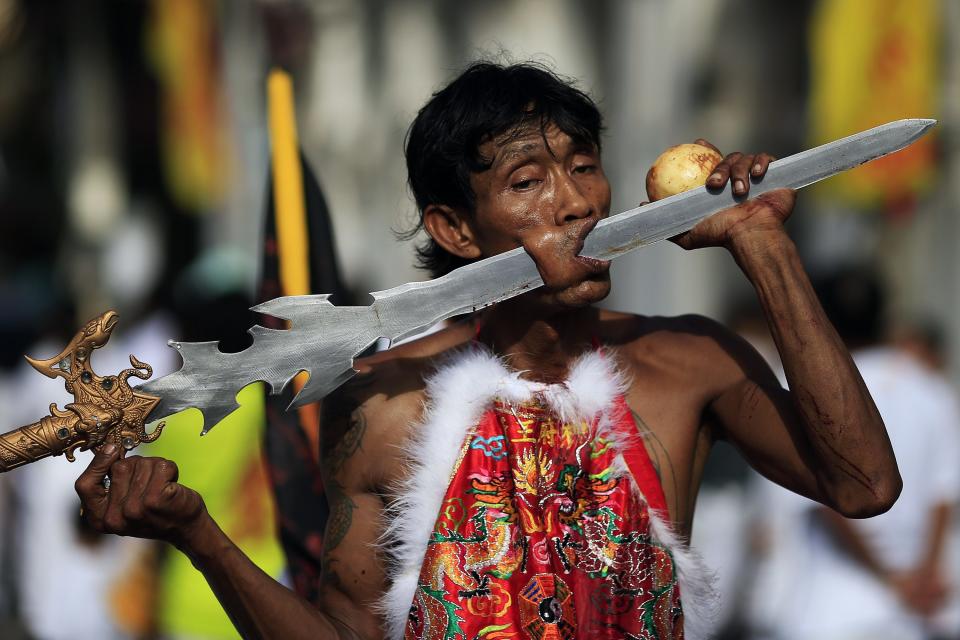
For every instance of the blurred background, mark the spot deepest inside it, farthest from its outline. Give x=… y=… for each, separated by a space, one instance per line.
x=135 y=164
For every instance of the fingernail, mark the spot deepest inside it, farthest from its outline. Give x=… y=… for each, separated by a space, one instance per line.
x=756 y=168
x=738 y=186
x=109 y=449
x=716 y=176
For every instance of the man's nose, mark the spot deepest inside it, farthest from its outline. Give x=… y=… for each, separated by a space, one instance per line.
x=574 y=205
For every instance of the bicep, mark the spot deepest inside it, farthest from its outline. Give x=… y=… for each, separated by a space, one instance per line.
x=353 y=579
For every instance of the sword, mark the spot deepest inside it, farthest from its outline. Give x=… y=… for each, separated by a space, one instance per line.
x=323 y=339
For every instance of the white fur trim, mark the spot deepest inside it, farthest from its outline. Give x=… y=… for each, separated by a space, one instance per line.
x=697 y=594
x=457 y=395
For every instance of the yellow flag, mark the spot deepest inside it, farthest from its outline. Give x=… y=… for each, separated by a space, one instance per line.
x=181 y=41
x=873 y=61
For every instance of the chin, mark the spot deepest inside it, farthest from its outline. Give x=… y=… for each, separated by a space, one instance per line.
x=584 y=294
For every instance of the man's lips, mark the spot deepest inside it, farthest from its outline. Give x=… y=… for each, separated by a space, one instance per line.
x=594 y=265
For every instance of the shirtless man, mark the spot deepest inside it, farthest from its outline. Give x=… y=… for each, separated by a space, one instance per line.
x=507 y=157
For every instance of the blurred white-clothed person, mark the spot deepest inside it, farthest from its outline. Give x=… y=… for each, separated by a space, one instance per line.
x=884 y=578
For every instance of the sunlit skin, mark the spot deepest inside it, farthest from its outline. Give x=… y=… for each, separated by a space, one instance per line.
x=692 y=383
x=545 y=193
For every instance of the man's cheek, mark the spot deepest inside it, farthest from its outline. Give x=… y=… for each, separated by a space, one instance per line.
x=554 y=254
x=549 y=242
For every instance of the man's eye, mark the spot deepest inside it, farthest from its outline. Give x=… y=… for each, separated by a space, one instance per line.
x=584 y=168
x=522 y=185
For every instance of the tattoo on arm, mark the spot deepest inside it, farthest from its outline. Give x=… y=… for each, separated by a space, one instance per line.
x=341 y=515
x=350 y=442
x=341 y=506
x=344 y=425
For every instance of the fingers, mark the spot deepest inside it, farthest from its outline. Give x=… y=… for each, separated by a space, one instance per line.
x=761 y=162
x=121 y=476
x=740 y=175
x=133 y=501
x=718 y=179
x=739 y=168
x=95 y=472
x=158 y=490
x=89 y=485
x=144 y=499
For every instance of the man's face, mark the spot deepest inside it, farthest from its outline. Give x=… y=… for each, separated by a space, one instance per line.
x=545 y=197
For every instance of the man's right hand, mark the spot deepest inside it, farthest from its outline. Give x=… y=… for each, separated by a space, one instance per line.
x=143 y=500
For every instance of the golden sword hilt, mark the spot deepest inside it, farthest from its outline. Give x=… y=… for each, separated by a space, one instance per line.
x=105 y=408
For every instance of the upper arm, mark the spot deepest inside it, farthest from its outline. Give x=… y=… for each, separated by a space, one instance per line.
x=750 y=409
x=352 y=578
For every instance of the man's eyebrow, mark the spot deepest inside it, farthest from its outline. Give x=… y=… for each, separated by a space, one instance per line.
x=512 y=152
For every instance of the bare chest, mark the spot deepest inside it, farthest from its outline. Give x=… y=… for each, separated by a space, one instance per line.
x=670 y=419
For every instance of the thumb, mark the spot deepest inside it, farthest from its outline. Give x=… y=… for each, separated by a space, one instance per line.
x=90 y=482
x=781 y=200
x=105 y=456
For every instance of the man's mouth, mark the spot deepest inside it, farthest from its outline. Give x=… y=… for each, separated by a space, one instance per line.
x=593 y=264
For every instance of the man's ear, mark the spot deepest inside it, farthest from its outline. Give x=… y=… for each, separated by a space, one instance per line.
x=450 y=229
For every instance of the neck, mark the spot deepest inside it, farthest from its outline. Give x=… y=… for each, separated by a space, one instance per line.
x=543 y=345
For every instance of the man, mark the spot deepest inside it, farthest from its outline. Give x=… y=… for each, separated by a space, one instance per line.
x=508 y=495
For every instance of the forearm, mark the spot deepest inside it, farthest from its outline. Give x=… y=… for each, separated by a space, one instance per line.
x=258 y=605
x=940 y=516
x=840 y=427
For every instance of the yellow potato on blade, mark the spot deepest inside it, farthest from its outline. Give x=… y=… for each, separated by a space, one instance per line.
x=680 y=168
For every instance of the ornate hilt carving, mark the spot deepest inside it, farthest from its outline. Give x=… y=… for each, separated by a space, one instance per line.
x=105 y=408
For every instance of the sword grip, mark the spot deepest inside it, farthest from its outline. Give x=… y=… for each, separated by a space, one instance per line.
x=78 y=426
x=49 y=436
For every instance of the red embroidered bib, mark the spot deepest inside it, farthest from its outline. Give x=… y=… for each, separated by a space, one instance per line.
x=545 y=532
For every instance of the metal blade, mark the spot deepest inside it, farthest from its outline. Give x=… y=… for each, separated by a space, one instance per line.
x=323 y=339
x=671 y=216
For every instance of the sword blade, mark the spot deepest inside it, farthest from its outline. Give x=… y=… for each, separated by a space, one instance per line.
x=671 y=216
x=323 y=339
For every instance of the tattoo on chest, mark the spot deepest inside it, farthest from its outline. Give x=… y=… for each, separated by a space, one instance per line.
x=662 y=463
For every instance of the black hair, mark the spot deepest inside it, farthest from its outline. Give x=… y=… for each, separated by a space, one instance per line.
x=484 y=102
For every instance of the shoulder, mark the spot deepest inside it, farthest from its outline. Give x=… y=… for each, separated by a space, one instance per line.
x=375 y=411
x=390 y=377
x=638 y=336
x=691 y=348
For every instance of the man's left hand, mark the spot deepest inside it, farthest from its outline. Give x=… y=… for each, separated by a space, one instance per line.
x=749 y=220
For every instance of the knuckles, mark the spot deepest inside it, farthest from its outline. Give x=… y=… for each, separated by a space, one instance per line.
x=155 y=502
x=168 y=468
x=133 y=511
x=124 y=467
x=143 y=510
x=114 y=522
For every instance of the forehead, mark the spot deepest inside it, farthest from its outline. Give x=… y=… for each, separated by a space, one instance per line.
x=525 y=141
